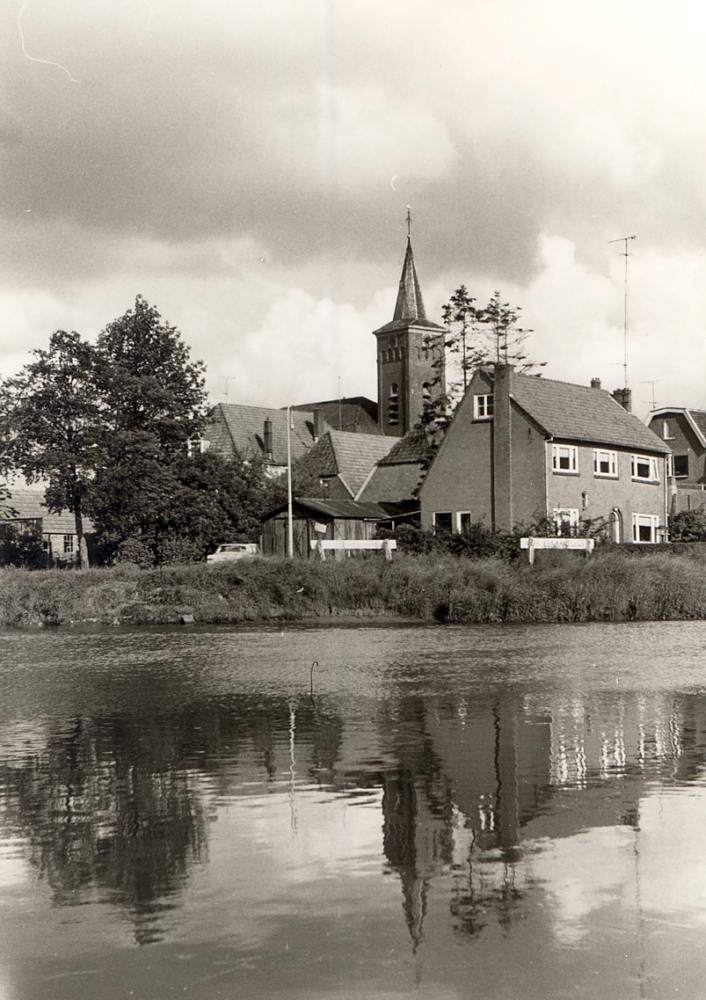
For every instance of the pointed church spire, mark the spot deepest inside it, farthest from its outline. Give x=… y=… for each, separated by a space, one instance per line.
x=410 y=305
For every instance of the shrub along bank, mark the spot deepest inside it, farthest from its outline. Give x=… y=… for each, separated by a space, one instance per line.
x=609 y=586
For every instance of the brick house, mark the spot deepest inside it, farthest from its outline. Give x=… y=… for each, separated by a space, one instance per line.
x=521 y=449
x=684 y=430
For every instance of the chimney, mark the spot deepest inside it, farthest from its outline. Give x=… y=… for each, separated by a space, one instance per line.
x=624 y=397
x=595 y=383
x=268 y=438
x=318 y=424
x=502 y=447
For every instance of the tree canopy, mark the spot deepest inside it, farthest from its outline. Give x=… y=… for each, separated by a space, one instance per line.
x=478 y=336
x=107 y=427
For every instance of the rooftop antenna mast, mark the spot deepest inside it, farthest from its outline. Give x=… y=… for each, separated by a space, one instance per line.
x=653 y=382
x=625 y=254
x=227 y=379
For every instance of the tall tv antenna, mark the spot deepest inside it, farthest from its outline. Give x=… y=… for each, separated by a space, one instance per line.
x=226 y=379
x=625 y=254
x=653 y=382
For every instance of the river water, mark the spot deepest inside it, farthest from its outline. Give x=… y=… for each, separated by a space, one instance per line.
x=354 y=812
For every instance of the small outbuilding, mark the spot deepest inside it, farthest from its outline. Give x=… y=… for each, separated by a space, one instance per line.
x=324 y=520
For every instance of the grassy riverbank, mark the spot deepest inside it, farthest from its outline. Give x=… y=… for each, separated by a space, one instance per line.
x=610 y=586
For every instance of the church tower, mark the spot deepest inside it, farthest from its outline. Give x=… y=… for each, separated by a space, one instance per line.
x=410 y=356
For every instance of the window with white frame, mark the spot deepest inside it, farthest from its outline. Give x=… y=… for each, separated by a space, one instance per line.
x=482 y=407
x=443 y=522
x=605 y=463
x=566 y=520
x=644 y=528
x=463 y=521
x=565 y=458
x=68 y=544
x=644 y=468
x=667 y=430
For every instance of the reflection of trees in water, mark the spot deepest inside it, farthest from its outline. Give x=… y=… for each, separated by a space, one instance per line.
x=109 y=820
x=117 y=809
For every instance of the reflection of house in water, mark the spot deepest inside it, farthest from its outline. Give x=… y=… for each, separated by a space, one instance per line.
x=478 y=777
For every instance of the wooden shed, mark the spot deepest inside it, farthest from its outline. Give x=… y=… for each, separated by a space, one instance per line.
x=323 y=520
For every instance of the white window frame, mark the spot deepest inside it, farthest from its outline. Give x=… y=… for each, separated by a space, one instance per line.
x=572 y=456
x=650 y=521
x=609 y=458
x=651 y=462
x=459 y=513
x=483 y=406
x=666 y=428
x=566 y=515
x=436 y=514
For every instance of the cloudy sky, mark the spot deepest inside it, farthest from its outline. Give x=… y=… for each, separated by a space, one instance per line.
x=247 y=166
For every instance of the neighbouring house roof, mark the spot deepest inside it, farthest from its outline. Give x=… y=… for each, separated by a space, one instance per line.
x=695 y=418
x=357 y=414
x=238 y=430
x=27 y=504
x=356 y=455
x=582 y=413
x=398 y=475
x=339 y=510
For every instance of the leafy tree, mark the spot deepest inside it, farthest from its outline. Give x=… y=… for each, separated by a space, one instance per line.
x=152 y=393
x=481 y=337
x=50 y=422
x=153 y=401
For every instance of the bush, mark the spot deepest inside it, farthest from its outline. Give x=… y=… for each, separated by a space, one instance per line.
x=21 y=548
x=688 y=526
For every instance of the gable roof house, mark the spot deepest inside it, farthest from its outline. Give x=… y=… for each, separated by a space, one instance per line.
x=398 y=474
x=684 y=430
x=248 y=432
x=522 y=448
x=343 y=461
x=25 y=510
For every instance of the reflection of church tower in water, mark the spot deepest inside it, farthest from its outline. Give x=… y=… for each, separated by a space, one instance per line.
x=410 y=356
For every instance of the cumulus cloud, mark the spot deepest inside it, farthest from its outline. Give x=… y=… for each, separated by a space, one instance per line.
x=247 y=167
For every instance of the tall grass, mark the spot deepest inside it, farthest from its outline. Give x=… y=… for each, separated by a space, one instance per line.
x=609 y=586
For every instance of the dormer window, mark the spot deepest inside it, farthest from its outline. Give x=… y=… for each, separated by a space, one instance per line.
x=483 y=407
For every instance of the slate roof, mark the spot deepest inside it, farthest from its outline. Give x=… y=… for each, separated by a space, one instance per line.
x=26 y=504
x=356 y=454
x=699 y=418
x=413 y=447
x=238 y=429
x=393 y=483
x=582 y=413
x=357 y=414
x=398 y=475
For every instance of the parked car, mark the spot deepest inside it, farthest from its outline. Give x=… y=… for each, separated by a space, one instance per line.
x=234 y=550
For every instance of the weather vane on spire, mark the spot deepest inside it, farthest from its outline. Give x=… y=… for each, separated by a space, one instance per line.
x=409 y=223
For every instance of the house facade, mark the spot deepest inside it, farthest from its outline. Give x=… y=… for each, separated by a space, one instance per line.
x=522 y=450
x=684 y=430
x=24 y=510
